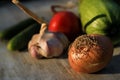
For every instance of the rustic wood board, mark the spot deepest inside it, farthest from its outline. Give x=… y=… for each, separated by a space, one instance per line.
x=21 y=66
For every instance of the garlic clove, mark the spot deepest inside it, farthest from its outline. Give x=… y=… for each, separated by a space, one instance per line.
x=34 y=50
x=63 y=39
x=51 y=45
x=34 y=40
x=47 y=44
x=32 y=46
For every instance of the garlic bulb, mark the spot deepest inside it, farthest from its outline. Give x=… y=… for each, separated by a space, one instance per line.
x=47 y=44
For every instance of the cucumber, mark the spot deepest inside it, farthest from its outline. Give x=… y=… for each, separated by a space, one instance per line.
x=8 y=33
x=21 y=40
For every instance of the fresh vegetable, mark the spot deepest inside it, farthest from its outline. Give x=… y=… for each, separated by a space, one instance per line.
x=47 y=44
x=21 y=40
x=15 y=29
x=90 y=53
x=66 y=22
x=101 y=17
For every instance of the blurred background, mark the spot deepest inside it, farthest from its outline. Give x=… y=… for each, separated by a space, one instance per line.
x=10 y=14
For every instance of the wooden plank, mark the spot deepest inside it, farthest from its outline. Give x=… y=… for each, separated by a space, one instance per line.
x=21 y=66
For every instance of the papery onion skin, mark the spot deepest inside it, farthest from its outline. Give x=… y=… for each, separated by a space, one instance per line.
x=92 y=58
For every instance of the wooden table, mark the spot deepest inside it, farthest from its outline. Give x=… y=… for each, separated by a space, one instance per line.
x=21 y=66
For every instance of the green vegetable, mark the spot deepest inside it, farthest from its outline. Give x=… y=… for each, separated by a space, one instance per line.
x=101 y=17
x=15 y=29
x=21 y=40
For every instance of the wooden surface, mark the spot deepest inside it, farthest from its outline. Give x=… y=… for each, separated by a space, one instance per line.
x=21 y=66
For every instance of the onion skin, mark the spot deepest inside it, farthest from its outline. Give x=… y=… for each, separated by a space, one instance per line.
x=86 y=59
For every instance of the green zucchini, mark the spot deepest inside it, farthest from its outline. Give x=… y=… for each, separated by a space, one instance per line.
x=8 y=33
x=101 y=17
x=21 y=40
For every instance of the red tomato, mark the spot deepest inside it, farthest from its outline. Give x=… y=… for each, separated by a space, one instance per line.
x=65 y=22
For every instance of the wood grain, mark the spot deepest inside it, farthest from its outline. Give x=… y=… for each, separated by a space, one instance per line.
x=21 y=66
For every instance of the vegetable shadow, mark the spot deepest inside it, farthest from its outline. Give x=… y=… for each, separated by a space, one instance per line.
x=113 y=67
x=64 y=55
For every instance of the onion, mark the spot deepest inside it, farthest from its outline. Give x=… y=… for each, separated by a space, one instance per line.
x=90 y=53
